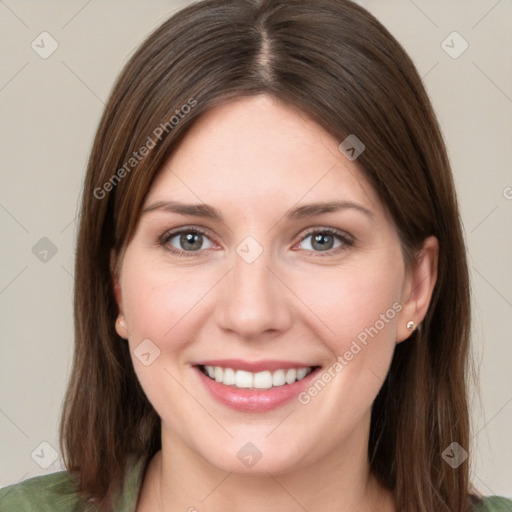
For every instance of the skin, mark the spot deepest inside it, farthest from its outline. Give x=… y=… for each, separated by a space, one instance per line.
x=253 y=159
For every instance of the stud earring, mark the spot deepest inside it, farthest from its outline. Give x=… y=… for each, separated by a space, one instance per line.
x=120 y=321
x=410 y=325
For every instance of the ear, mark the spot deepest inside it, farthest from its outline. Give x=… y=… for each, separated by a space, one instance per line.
x=121 y=328
x=420 y=279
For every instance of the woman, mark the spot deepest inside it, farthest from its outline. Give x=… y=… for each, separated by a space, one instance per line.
x=272 y=299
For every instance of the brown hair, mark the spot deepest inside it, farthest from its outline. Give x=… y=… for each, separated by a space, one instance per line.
x=336 y=63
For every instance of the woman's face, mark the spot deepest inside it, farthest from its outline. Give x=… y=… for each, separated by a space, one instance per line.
x=264 y=288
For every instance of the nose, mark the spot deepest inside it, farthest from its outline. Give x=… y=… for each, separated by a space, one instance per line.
x=255 y=301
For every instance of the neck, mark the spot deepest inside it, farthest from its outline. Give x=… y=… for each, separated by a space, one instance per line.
x=181 y=480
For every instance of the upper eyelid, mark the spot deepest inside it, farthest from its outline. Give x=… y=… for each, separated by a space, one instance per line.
x=171 y=233
x=333 y=231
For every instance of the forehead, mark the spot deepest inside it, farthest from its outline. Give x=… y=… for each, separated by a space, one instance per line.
x=257 y=152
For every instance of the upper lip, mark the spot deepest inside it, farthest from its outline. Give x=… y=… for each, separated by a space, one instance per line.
x=254 y=366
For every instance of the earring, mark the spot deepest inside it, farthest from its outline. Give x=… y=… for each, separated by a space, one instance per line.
x=120 y=321
x=410 y=325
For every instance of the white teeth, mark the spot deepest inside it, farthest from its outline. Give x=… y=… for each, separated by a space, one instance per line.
x=278 y=378
x=229 y=377
x=301 y=373
x=243 y=379
x=262 y=380
x=291 y=376
x=259 y=380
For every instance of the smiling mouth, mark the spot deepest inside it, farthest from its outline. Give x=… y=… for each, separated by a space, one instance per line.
x=267 y=379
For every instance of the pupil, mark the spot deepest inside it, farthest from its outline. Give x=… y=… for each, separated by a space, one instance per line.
x=195 y=239
x=321 y=239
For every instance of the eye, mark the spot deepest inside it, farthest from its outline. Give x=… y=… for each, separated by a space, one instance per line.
x=185 y=242
x=326 y=240
x=191 y=241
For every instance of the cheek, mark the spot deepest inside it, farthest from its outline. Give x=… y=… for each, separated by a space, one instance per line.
x=356 y=309
x=157 y=300
x=160 y=304
x=353 y=311
x=354 y=302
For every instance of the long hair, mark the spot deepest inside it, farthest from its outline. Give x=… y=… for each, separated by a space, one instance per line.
x=334 y=62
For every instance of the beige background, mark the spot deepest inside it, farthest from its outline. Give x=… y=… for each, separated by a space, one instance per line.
x=50 y=109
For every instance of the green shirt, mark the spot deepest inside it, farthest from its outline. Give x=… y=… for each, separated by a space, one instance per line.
x=56 y=492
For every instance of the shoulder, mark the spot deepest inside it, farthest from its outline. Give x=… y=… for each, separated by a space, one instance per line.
x=58 y=492
x=49 y=493
x=493 y=504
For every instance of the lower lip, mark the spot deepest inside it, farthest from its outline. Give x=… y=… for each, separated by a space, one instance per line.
x=251 y=400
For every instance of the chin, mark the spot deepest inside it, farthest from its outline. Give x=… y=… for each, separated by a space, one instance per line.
x=258 y=457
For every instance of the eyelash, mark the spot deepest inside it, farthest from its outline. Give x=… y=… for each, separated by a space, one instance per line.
x=344 y=238
x=346 y=241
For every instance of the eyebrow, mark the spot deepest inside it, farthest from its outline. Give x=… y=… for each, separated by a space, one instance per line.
x=300 y=212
